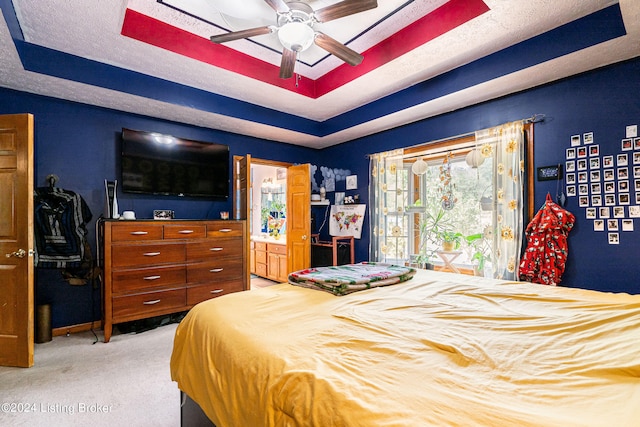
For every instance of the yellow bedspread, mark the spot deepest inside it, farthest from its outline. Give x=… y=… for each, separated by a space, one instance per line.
x=438 y=350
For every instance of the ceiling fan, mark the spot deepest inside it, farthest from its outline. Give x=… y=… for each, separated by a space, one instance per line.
x=295 y=21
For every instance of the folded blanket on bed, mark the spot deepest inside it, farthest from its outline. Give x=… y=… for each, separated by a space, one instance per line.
x=345 y=279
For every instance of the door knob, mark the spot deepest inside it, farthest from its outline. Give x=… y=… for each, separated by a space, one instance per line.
x=304 y=237
x=20 y=253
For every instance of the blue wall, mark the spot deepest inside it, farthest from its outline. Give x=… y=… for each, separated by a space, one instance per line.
x=79 y=144
x=602 y=101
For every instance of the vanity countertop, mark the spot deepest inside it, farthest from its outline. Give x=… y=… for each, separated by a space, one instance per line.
x=268 y=239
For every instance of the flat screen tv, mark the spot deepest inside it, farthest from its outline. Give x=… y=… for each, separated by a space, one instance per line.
x=153 y=163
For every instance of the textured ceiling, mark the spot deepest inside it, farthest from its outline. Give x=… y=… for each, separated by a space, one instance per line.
x=154 y=58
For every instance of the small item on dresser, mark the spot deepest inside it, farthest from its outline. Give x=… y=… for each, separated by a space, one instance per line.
x=224 y=215
x=163 y=214
x=128 y=215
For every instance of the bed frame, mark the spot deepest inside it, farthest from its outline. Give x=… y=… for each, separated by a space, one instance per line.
x=191 y=415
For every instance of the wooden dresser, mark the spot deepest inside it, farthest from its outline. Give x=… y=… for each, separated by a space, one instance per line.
x=153 y=268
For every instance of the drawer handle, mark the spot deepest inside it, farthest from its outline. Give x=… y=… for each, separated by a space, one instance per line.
x=217 y=291
x=139 y=233
x=225 y=230
x=151 y=253
x=151 y=278
x=216 y=249
x=185 y=231
x=216 y=270
x=155 y=301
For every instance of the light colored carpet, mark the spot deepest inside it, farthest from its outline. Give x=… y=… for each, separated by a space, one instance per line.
x=73 y=382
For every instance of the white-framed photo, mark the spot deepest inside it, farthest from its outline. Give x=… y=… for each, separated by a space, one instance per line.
x=352 y=182
x=627 y=225
x=598 y=225
x=612 y=224
x=594 y=163
x=575 y=140
x=596 y=188
x=636 y=184
x=610 y=187
x=582 y=165
x=583 y=201
x=614 y=239
x=603 y=212
x=636 y=158
x=570 y=166
x=636 y=171
x=583 y=189
x=583 y=177
x=627 y=144
x=634 y=211
x=618 y=211
x=571 y=190
x=571 y=153
x=622 y=160
x=609 y=199
x=609 y=175
x=590 y=213
x=594 y=176
x=594 y=150
x=623 y=173
x=587 y=138
x=623 y=198
x=623 y=186
x=581 y=152
x=596 y=200
x=607 y=161
x=637 y=198
x=571 y=178
x=636 y=143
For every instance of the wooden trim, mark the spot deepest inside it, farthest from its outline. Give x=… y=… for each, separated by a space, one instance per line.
x=73 y=329
x=440 y=145
x=530 y=142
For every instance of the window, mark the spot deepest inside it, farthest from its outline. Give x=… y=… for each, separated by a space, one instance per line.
x=469 y=190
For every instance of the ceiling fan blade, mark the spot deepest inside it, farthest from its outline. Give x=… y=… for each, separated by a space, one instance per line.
x=278 y=5
x=235 y=35
x=336 y=48
x=344 y=8
x=288 y=63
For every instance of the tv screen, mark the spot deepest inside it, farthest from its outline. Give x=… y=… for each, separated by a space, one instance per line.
x=154 y=163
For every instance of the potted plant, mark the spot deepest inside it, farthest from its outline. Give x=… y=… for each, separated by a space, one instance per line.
x=450 y=240
x=429 y=227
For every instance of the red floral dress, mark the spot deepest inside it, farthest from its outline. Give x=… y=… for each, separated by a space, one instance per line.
x=544 y=258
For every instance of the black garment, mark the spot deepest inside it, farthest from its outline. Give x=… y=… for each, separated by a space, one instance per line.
x=60 y=229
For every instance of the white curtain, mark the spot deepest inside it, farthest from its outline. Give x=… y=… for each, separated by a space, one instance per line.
x=385 y=169
x=505 y=144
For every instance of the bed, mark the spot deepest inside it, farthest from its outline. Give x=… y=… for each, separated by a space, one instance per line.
x=440 y=349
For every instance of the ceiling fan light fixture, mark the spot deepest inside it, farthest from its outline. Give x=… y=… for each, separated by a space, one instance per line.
x=296 y=36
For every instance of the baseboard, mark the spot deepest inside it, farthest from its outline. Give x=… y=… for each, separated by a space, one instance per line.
x=73 y=329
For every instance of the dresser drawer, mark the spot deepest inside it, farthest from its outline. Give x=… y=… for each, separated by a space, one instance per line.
x=132 y=280
x=277 y=249
x=215 y=248
x=185 y=231
x=149 y=302
x=212 y=272
x=261 y=269
x=225 y=229
x=135 y=232
x=141 y=255
x=196 y=294
x=260 y=246
x=261 y=257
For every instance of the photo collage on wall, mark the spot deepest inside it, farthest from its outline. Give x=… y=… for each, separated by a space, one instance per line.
x=607 y=185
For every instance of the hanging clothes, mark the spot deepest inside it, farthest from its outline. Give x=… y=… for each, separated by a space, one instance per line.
x=60 y=230
x=545 y=257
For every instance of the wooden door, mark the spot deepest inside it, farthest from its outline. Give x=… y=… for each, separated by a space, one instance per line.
x=242 y=204
x=298 y=217
x=16 y=240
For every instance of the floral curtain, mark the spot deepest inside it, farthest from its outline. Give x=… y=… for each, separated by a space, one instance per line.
x=385 y=169
x=506 y=144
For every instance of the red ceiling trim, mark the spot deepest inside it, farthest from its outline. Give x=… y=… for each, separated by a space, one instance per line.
x=157 y=33
x=442 y=20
